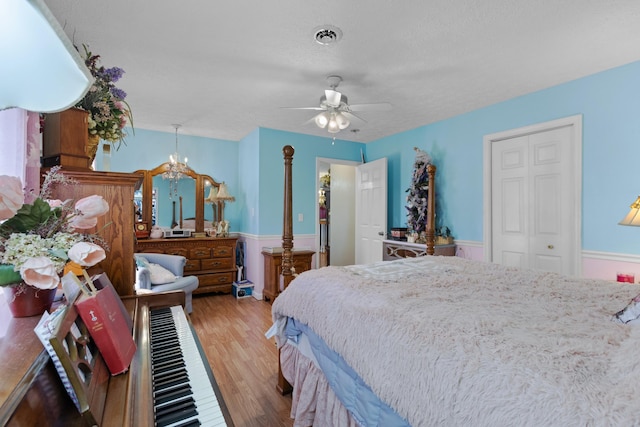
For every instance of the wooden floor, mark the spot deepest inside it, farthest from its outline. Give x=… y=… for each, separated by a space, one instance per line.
x=244 y=362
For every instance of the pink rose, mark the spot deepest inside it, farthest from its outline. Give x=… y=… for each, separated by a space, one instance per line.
x=92 y=206
x=11 y=196
x=89 y=209
x=86 y=254
x=40 y=272
x=82 y=223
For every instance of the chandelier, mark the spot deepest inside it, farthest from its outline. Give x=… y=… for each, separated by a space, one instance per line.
x=177 y=169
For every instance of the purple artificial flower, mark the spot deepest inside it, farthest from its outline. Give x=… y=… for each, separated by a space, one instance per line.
x=113 y=74
x=118 y=93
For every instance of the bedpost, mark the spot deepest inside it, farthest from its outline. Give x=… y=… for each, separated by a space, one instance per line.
x=287 y=223
x=431 y=210
x=283 y=385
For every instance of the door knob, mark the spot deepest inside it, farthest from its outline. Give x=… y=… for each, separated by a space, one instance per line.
x=380 y=233
x=550 y=246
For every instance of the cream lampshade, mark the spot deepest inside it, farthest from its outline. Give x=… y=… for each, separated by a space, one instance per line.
x=633 y=217
x=221 y=196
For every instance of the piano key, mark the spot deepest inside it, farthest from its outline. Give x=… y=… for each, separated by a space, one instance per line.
x=208 y=410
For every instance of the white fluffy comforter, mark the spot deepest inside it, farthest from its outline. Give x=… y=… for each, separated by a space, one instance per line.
x=448 y=341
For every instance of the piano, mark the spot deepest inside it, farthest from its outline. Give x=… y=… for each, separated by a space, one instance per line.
x=169 y=382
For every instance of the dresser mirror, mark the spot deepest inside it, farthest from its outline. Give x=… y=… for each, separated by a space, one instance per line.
x=178 y=203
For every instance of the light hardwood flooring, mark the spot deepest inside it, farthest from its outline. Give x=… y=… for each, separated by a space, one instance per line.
x=244 y=362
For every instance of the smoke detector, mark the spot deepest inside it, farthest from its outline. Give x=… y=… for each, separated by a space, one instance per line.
x=327 y=34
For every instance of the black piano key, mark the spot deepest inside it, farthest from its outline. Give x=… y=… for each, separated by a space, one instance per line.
x=163 y=398
x=190 y=423
x=167 y=364
x=166 y=393
x=170 y=384
x=171 y=377
x=181 y=404
x=180 y=412
x=175 y=417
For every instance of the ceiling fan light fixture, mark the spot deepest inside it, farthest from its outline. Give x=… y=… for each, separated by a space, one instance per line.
x=333 y=126
x=342 y=121
x=322 y=120
x=327 y=34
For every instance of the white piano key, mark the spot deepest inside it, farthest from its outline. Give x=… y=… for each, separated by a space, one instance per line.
x=208 y=407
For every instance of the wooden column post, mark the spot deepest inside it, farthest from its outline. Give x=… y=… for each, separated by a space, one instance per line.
x=431 y=205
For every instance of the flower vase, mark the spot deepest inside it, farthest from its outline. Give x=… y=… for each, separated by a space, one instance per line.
x=92 y=147
x=26 y=301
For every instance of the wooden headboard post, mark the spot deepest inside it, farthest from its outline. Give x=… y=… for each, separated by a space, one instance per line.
x=431 y=210
x=287 y=225
x=283 y=385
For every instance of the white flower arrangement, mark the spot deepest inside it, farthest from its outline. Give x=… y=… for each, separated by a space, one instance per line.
x=38 y=239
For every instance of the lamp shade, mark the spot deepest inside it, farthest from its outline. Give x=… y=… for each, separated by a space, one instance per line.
x=223 y=194
x=213 y=194
x=633 y=217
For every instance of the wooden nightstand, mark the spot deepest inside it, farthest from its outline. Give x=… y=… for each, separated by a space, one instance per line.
x=273 y=269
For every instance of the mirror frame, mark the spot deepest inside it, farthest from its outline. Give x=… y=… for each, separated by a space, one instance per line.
x=200 y=180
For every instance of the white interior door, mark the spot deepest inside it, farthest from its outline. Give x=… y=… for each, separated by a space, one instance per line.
x=371 y=210
x=342 y=231
x=535 y=199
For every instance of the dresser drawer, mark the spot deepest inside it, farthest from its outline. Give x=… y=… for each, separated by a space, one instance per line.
x=215 y=279
x=217 y=264
x=177 y=251
x=200 y=252
x=223 y=251
x=192 y=265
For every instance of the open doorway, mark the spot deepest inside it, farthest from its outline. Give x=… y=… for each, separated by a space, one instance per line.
x=335 y=212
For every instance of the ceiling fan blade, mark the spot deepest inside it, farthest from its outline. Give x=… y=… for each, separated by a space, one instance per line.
x=379 y=106
x=333 y=97
x=353 y=117
x=304 y=108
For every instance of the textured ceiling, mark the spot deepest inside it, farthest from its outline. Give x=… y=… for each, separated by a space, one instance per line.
x=221 y=69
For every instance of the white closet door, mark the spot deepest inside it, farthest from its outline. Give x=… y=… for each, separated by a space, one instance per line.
x=533 y=201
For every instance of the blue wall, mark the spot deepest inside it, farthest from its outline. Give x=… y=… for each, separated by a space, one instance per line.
x=609 y=103
x=146 y=149
x=304 y=180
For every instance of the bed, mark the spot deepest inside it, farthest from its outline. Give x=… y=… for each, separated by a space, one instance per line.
x=447 y=341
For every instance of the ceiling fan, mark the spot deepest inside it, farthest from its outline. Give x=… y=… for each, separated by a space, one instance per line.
x=336 y=113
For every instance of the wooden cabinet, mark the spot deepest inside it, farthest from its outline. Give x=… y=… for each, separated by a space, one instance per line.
x=273 y=269
x=65 y=139
x=116 y=227
x=212 y=259
x=395 y=249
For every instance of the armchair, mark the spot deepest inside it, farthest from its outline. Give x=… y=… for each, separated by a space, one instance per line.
x=173 y=280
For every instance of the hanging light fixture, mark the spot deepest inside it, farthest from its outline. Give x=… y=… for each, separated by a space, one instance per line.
x=333 y=120
x=177 y=169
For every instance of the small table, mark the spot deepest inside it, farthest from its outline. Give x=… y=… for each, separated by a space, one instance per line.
x=273 y=269
x=395 y=249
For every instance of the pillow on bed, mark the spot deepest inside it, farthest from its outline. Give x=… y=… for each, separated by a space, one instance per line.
x=630 y=313
x=160 y=275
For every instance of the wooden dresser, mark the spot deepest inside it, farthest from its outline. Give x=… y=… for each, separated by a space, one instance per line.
x=273 y=269
x=395 y=249
x=116 y=227
x=212 y=259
